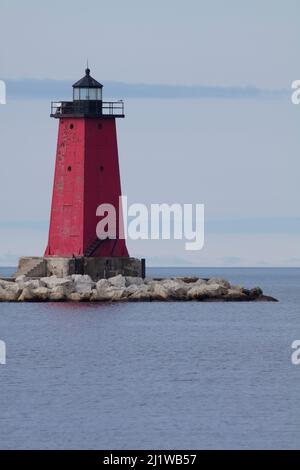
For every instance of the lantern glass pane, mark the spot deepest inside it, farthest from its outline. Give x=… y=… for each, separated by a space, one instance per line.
x=76 y=94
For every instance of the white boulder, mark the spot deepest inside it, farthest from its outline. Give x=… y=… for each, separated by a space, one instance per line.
x=141 y=294
x=220 y=281
x=132 y=280
x=83 y=284
x=10 y=292
x=40 y=294
x=176 y=288
x=110 y=293
x=159 y=292
x=117 y=281
x=53 y=282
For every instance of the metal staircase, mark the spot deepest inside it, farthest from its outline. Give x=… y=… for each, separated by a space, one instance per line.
x=94 y=246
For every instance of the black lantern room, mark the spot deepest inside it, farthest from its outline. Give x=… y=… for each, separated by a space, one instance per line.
x=87 y=101
x=87 y=88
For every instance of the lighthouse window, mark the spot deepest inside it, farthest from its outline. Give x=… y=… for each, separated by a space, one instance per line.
x=93 y=93
x=76 y=94
x=101 y=168
x=87 y=94
x=69 y=168
x=71 y=126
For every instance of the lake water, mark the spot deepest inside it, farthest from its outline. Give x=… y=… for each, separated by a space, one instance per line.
x=154 y=375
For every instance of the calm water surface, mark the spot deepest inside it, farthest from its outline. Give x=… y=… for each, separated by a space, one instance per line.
x=154 y=375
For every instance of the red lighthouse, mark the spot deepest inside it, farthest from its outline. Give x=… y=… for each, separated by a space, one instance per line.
x=86 y=176
x=86 y=173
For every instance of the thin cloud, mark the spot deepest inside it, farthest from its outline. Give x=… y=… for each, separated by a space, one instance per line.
x=47 y=89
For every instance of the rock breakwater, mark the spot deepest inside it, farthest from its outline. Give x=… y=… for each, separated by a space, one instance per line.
x=78 y=288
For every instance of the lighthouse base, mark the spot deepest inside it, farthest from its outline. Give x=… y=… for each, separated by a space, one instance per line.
x=96 y=268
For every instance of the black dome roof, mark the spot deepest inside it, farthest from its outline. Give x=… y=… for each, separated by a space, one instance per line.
x=87 y=81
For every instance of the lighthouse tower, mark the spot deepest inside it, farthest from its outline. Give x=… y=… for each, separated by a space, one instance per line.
x=86 y=173
x=86 y=176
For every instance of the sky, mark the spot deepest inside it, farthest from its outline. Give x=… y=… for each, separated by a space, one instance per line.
x=209 y=119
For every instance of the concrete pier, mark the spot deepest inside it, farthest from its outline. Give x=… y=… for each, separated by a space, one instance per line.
x=96 y=268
